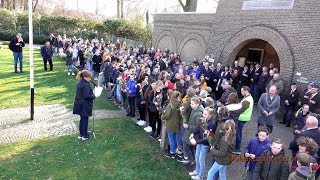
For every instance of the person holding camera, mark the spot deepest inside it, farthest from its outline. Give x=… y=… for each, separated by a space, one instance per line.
x=16 y=46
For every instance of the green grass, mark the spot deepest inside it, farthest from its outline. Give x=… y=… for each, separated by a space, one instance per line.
x=50 y=87
x=121 y=151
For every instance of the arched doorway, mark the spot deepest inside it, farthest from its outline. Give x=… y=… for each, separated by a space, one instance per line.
x=235 y=44
x=257 y=51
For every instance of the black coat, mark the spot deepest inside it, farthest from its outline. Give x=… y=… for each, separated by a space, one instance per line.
x=217 y=74
x=304 y=98
x=256 y=75
x=83 y=102
x=46 y=52
x=163 y=65
x=293 y=98
x=97 y=61
x=268 y=169
x=262 y=82
x=244 y=78
x=314 y=104
x=16 y=48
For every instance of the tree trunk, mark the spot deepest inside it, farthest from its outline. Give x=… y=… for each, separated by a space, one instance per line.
x=97 y=7
x=8 y=5
x=118 y=8
x=193 y=5
x=121 y=11
x=35 y=6
x=14 y=4
x=190 y=6
x=2 y=4
x=25 y=5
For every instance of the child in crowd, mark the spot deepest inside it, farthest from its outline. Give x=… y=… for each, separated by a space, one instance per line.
x=203 y=82
x=88 y=58
x=75 y=56
x=69 y=61
x=173 y=120
x=254 y=149
x=97 y=60
x=190 y=126
x=150 y=90
x=140 y=100
x=306 y=145
x=273 y=164
x=222 y=150
x=131 y=90
x=205 y=130
x=154 y=105
x=303 y=171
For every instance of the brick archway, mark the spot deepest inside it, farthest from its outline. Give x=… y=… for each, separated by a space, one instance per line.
x=166 y=37
x=194 y=45
x=275 y=39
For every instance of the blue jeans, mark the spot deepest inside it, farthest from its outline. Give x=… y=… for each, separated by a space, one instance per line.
x=215 y=168
x=172 y=136
x=83 y=126
x=216 y=175
x=18 y=57
x=74 y=61
x=89 y=65
x=70 y=68
x=239 y=133
x=179 y=139
x=201 y=153
x=189 y=151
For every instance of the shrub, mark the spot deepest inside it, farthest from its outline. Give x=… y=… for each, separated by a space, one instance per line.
x=6 y=35
x=43 y=25
x=7 y=20
x=6 y=42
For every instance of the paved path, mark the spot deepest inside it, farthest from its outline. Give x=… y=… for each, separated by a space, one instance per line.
x=50 y=121
x=235 y=170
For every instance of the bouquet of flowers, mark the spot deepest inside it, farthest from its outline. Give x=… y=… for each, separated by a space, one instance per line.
x=313 y=168
x=208 y=133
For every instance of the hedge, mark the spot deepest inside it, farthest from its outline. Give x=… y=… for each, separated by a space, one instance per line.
x=43 y=25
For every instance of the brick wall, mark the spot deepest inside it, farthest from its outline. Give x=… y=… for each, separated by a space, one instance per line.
x=294 y=34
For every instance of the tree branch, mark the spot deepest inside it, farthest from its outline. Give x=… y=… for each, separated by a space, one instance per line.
x=35 y=5
x=182 y=5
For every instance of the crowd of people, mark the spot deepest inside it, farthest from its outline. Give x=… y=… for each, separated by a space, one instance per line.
x=201 y=106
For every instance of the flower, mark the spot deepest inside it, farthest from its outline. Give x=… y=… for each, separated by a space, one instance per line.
x=201 y=123
x=210 y=133
x=314 y=167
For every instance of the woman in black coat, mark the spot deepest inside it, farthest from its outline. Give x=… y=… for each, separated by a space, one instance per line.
x=83 y=102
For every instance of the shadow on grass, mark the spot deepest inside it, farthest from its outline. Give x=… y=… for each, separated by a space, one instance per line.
x=121 y=151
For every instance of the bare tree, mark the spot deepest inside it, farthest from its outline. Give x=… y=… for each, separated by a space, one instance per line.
x=97 y=7
x=189 y=6
x=34 y=5
x=2 y=4
x=121 y=9
x=14 y=4
x=118 y=8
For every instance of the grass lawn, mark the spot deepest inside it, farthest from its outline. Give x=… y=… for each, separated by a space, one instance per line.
x=50 y=87
x=122 y=150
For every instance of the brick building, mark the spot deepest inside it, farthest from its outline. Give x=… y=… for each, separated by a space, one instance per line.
x=286 y=33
